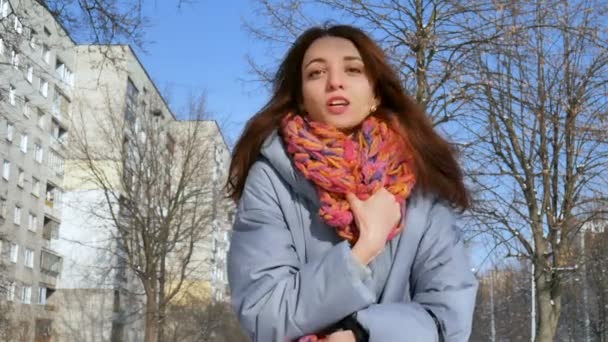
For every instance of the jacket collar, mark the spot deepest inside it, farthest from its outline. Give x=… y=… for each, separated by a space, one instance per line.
x=274 y=150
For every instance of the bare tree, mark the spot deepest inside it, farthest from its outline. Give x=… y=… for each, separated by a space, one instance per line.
x=195 y=319
x=427 y=41
x=540 y=156
x=157 y=196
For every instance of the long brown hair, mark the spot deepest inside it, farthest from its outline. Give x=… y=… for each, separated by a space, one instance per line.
x=436 y=167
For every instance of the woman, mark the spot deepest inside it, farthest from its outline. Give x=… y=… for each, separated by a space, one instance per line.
x=345 y=227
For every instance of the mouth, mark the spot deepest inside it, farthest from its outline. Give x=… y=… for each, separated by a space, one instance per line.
x=337 y=105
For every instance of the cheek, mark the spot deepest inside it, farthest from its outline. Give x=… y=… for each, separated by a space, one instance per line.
x=365 y=96
x=311 y=96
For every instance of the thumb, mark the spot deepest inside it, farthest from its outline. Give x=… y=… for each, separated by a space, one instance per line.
x=352 y=199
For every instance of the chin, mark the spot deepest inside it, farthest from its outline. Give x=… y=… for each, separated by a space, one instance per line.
x=346 y=124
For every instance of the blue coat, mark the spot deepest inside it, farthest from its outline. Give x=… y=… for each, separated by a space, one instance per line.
x=291 y=275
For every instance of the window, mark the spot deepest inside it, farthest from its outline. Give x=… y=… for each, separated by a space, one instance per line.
x=30 y=73
x=14 y=252
x=38 y=153
x=40 y=118
x=10 y=131
x=6 y=170
x=59 y=132
x=35 y=187
x=27 y=295
x=42 y=295
x=50 y=195
x=132 y=93
x=18 y=25
x=33 y=39
x=15 y=58
x=2 y=207
x=53 y=196
x=21 y=178
x=10 y=295
x=47 y=32
x=26 y=107
x=17 y=216
x=68 y=78
x=46 y=54
x=55 y=162
x=23 y=144
x=4 y=8
x=44 y=87
x=12 y=95
x=29 y=258
x=59 y=68
x=64 y=73
x=61 y=104
x=32 y=222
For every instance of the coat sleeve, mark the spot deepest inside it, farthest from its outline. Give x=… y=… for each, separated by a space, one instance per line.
x=443 y=290
x=276 y=296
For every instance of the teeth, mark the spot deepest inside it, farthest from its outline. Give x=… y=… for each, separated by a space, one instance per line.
x=337 y=103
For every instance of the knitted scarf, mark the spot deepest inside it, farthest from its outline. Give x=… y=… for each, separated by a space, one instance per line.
x=360 y=163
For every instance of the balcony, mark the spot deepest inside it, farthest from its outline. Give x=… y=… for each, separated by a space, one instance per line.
x=59 y=135
x=50 y=262
x=65 y=76
x=52 y=201
x=50 y=229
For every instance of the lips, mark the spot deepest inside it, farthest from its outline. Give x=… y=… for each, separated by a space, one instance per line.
x=337 y=105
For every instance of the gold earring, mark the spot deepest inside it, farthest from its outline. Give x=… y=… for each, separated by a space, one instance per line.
x=373 y=109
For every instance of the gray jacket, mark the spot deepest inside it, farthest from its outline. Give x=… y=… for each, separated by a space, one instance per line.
x=291 y=275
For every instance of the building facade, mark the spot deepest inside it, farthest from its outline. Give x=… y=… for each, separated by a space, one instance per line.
x=68 y=278
x=36 y=84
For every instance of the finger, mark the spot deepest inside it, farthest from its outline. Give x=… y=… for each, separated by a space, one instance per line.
x=389 y=195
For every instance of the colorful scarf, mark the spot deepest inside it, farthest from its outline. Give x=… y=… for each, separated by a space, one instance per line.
x=360 y=163
x=337 y=163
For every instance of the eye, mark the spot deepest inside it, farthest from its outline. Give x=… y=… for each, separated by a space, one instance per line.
x=354 y=70
x=315 y=73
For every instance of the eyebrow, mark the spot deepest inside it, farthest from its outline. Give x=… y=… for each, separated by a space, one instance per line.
x=322 y=60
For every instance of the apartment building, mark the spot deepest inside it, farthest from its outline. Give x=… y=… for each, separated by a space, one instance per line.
x=36 y=85
x=68 y=276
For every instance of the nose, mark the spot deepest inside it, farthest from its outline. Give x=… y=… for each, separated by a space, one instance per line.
x=335 y=80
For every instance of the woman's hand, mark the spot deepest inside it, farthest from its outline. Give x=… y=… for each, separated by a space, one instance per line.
x=340 y=336
x=375 y=217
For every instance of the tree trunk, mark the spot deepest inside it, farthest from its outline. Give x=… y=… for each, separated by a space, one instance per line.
x=162 y=307
x=548 y=308
x=151 y=329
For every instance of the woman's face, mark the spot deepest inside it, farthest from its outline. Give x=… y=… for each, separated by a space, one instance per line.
x=335 y=86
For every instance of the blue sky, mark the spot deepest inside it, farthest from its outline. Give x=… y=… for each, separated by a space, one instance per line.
x=202 y=47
